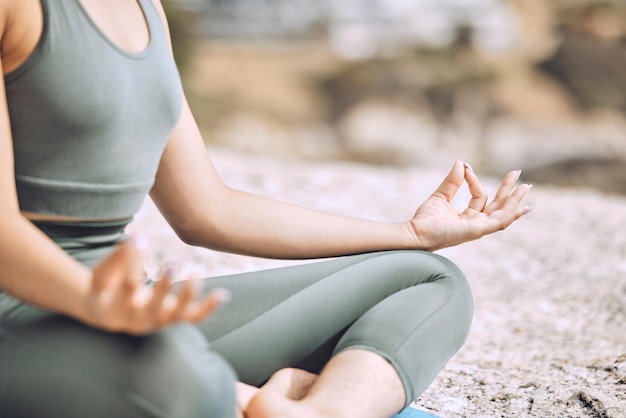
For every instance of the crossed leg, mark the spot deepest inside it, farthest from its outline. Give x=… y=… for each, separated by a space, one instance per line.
x=377 y=327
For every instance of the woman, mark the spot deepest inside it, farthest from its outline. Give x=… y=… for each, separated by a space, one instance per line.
x=94 y=119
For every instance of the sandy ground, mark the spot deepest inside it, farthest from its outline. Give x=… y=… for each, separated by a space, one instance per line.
x=549 y=333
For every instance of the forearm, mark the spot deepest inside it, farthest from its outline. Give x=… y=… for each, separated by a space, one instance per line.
x=34 y=269
x=248 y=224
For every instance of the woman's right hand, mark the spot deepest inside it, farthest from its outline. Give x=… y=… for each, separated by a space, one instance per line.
x=118 y=301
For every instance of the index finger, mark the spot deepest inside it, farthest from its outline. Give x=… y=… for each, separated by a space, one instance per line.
x=479 y=197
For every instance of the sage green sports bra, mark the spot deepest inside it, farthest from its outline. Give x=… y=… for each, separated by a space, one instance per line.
x=90 y=120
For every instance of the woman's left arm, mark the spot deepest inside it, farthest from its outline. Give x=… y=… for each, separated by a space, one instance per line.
x=206 y=212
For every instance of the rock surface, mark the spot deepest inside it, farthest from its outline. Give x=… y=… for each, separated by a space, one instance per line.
x=549 y=333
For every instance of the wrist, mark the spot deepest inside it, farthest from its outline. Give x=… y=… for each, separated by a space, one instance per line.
x=79 y=308
x=412 y=238
x=405 y=237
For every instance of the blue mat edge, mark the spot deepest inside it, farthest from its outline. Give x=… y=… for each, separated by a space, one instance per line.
x=409 y=412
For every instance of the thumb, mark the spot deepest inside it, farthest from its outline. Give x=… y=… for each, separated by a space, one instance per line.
x=453 y=181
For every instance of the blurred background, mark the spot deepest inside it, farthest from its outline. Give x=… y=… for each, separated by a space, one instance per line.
x=506 y=84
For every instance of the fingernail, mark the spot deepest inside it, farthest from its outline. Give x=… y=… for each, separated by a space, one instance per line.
x=222 y=295
x=519 y=173
x=169 y=270
x=528 y=210
x=468 y=166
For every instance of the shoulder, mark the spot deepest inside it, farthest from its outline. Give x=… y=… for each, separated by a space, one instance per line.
x=7 y=8
x=14 y=14
x=20 y=28
x=159 y=6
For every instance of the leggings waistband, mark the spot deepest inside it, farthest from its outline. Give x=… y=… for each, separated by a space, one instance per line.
x=87 y=242
x=79 y=235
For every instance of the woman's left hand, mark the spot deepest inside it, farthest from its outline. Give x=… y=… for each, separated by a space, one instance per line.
x=437 y=224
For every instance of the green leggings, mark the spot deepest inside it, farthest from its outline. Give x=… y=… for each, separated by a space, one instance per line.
x=413 y=308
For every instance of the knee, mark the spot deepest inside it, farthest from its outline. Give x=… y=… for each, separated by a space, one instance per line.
x=419 y=267
x=461 y=297
x=182 y=377
x=461 y=300
x=452 y=287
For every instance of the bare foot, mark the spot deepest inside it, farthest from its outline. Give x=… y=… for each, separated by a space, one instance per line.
x=291 y=383
x=288 y=383
x=268 y=404
x=245 y=393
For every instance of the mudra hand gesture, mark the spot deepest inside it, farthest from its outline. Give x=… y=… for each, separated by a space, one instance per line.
x=119 y=301
x=437 y=224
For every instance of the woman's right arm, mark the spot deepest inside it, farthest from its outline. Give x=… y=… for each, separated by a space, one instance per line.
x=34 y=269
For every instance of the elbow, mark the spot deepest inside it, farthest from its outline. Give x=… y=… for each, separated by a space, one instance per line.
x=186 y=238
x=200 y=225
x=198 y=232
x=188 y=233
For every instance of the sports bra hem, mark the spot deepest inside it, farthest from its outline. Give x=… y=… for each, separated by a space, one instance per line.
x=72 y=185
